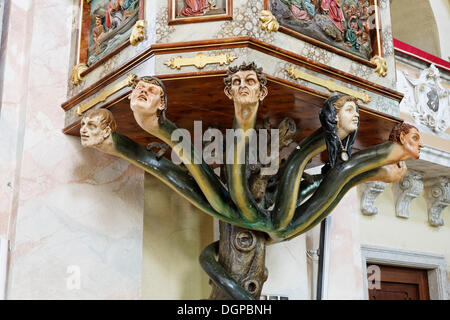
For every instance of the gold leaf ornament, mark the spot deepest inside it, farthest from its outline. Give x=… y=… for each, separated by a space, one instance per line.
x=295 y=73
x=268 y=21
x=200 y=60
x=381 y=68
x=138 y=32
x=76 y=73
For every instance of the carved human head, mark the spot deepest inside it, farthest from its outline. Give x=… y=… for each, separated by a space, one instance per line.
x=246 y=86
x=409 y=137
x=96 y=126
x=148 y=96
x=98 y=20
x=339 y=117
x=347 y=115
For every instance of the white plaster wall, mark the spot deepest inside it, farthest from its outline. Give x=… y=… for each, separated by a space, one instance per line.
x=287 y=266
x=345 y=277
x=413 y=234
x=441 y=10
x=63 y=208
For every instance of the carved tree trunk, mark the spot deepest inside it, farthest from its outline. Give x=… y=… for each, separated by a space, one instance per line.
x=242 y=253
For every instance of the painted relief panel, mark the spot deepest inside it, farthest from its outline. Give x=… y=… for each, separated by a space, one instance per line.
x=110 y=25
x=189 y=11
x=348 y=25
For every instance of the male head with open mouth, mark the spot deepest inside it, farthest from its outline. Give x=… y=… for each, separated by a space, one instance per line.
x=246 y=86
x=148 y=100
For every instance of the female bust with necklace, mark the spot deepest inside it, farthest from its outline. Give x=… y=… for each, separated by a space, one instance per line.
x=339 y=117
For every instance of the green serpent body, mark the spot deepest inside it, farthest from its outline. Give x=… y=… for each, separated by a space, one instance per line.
x=333 y=183
x=286 y=201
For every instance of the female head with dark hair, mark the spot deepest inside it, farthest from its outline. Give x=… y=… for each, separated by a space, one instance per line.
x=339 y=117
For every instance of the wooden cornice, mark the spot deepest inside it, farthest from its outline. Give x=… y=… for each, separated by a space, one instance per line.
x=220 y=44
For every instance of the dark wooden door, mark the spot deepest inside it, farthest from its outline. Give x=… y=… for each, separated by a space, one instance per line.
x=398 y=283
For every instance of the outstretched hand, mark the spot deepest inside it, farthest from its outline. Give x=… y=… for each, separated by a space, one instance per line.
x=392 y=172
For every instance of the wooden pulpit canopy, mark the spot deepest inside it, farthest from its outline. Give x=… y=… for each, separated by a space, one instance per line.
x=201 y=98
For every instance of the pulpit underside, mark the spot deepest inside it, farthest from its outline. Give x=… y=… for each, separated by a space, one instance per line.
x=202 y=99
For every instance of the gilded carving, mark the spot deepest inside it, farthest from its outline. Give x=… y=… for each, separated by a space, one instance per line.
x=381 y=68
x=76 y=73
x=332 y=86
x=128 y=81
x=138 y=32
x=268 y=21
x=200 y=60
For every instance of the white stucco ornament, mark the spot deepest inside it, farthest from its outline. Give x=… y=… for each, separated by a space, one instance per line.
x=425 y=99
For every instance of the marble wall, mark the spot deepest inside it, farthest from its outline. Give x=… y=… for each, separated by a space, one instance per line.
x=73 y=216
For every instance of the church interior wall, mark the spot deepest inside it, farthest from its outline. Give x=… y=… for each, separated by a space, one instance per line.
x=385 y=229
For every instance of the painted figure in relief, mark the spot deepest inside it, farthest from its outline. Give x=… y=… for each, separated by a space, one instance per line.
x=303 y=10
x=117 y=19
x=190 y=8
x=99 y=30
x=114 y=14
x=345 y=24
x=334 y=12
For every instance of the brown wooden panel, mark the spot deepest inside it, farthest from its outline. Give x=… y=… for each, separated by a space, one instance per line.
x=401 y=283
x=218 y=44
x=203 y=99
x=395 y=291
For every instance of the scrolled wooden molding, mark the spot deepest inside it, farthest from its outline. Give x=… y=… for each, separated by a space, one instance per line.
x=76 y=73
x=138 y=32
x=200 y=60
x=437 y=194
x=370 y=192
x=381 y=68
x=105 y=94
x=407 y=189
x=268 y=21
x=295 y=73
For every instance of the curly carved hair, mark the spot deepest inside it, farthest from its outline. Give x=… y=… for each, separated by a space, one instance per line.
x=106 y=118
x=398 y=130
x=159 y=83
x=245 y=67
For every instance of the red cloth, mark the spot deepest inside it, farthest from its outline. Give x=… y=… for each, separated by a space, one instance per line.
x=113 y=5
x=420 y=54
x=194 y=7
x=334 y=13
x=108 y=19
